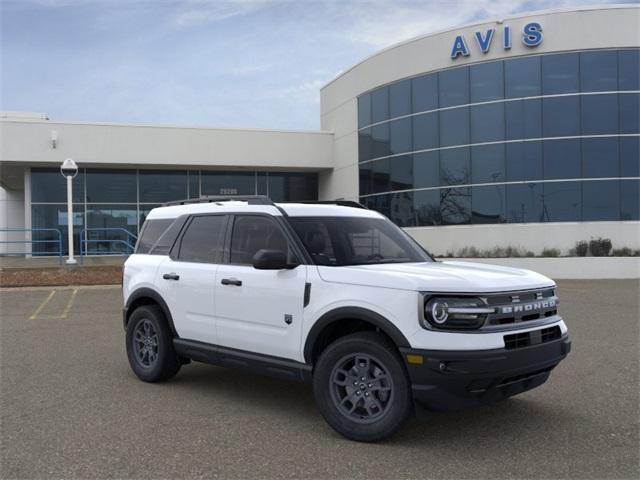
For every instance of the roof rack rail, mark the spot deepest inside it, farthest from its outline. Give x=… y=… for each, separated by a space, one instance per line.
x=340 y=202
x=250 y=199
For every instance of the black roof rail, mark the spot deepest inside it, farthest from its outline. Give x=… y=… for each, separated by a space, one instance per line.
x=340 y=202
x=250 y=199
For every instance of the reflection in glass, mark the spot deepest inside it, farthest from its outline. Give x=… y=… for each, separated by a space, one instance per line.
x=561 y=159
x=112 y=222
x=287 y=187
x=487 y=164
x=601 y=200
x=455 y=166
x=562 y=201
x=380 y=141
x=400 y=135
x=600 y=157
x=400 y=98
x=48 y=185
x=381 y=176
x=364 y=110
x=194 y=184
x=116 y=186
x=523 y=119
x=629 y=199
x=454 y=87
x=630 y=157
x=599 y=71
x=487 y=81
x=560 y=73
x=365 y=178
x=228 y=183
x=629 y=113
x=425 y=131
x=426 y=169
x=488 y=204
x=53 y=216
x=524 y=203
x=454 y=127
x=162 y=185
x=561 y=116
x=365 y=145
x=401 y=206
x=487 y=123
x=522 y=77
x=401 y=172
x=629 y=69
x=424 y=93
x=380 y=105
x=524 y=161
x=455 y=205
x=426 y=204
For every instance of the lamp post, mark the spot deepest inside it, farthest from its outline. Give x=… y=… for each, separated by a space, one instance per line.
x=69 y=170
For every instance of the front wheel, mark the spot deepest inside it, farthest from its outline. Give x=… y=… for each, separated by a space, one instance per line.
x=150 y=345
x=361 y=387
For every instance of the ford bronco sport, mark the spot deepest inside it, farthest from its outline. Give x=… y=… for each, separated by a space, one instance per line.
x=336 y=295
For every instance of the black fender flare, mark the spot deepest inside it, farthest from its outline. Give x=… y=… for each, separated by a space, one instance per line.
x=355 y=313
x=157 y=298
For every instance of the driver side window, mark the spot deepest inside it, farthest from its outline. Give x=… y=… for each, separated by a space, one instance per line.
x=252 y=233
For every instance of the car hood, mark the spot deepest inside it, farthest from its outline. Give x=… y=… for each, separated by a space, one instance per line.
x=462 y=277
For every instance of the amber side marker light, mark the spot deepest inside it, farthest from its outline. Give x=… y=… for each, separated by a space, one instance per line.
x=415 y=359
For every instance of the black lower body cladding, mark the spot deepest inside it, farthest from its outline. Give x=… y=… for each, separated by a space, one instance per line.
x=451 y=380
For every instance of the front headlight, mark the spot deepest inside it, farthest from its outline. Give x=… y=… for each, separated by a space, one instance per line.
x=455 y=313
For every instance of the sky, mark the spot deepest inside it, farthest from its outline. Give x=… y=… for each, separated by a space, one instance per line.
x=219 y=63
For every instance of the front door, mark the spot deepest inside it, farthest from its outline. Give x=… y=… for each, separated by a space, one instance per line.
x=259 y=310
x=188 y=277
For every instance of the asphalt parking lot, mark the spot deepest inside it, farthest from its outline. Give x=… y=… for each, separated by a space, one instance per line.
x=71 y=407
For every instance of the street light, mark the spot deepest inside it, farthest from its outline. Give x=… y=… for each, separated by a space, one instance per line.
x=69 y=170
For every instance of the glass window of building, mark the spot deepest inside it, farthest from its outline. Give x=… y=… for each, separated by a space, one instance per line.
x=562 y=201
x=454 y=127
x=600 y=157
x=47 y=242
x=524 y=203
x=629 y=203
x=599 y=71
x=262 y=183
x=401 y=172
x=48 y=185
x=488 y=204
x=381 y=176
x=523 y=119
x=629 y=113
x=380 y=141
x=228 y=183
x=425 y=131
x=426 y=169
x=380 y=105
x=524 y=161
x=455 y=205
x=487 y=81
x=599 y=114
x=112 y=186
x=629 y=69
x=561 y=116
x=286 y=187
x=400 y=135
x=424 y=93
x=401 y=206
x=365 y=145
x=114 y=228
x=601 y=200
x=561 y=159
x=455 y=166
x=488 y=164
x=194 y=184
x=426 y=205
x=365 y=178
x=144 y=211
x=560 y=73
x=400 y=98
x=162 y=185
x=630 y=157
x=487 y=123
x=522 y=77
x=364 y=110
x=454 y=87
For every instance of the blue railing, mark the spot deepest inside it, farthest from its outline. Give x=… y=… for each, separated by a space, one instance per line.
x=128 y=242
x=57 y=240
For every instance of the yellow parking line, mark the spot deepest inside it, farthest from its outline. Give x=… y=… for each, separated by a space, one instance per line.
x=68 y=307
x=42 y=305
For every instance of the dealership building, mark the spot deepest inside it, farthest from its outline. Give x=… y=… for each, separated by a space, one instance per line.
x=522 y=131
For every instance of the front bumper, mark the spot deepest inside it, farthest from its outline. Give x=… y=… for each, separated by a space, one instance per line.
x=450 y=380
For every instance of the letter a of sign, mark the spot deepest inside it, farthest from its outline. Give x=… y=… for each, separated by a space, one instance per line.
x=459 y=48
x=485 y=42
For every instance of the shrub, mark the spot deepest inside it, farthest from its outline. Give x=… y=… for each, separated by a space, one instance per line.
x=600 y=247
x=625 y=252
x=550 y=252
x=582 y=247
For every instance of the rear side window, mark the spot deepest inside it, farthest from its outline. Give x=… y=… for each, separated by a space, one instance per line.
x=151 y=232
x=203 y=239
x=253 y=233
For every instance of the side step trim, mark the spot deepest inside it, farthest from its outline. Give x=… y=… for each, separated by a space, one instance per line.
x=252 y=362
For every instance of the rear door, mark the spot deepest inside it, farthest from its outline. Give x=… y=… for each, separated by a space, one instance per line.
x=259 y=310
x=188 y=276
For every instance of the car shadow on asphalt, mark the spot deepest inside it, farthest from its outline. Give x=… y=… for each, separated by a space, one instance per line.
x=512 y=418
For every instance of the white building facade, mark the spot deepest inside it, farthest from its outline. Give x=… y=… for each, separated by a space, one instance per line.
x=521 y=131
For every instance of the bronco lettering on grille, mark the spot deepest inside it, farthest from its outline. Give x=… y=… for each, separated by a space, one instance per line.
x=528 y=307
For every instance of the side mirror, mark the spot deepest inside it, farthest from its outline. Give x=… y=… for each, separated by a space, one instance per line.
x=271 y=260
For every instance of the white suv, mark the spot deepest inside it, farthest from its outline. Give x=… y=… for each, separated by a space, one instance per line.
x=338 y=296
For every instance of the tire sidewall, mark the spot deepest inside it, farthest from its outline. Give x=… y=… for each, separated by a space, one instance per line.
x=159 y=370
x=378 y=347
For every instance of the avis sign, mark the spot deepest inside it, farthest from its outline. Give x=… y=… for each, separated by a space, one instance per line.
x=531 y=37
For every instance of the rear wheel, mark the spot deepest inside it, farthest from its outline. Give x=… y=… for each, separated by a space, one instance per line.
x=150 y=345
x=361 y=387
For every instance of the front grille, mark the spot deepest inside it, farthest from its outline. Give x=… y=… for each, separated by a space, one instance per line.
x=535 y=337
x=524 y=306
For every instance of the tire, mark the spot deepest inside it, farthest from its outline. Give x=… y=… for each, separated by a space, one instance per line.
x=150 y=345
x=369 y=410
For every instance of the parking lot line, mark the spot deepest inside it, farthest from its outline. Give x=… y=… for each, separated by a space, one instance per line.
x=42 y=305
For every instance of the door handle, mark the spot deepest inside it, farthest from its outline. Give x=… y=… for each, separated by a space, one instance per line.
x=171 y=276
x=231 y=281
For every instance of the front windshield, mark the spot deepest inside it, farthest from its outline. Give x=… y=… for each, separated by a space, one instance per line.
x=340 y=241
